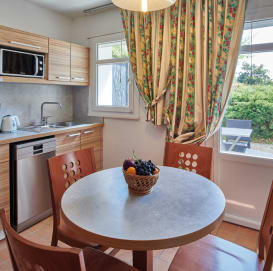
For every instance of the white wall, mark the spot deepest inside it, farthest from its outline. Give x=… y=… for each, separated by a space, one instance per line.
x=29 y=17
x=102 y=23
x=121 y=137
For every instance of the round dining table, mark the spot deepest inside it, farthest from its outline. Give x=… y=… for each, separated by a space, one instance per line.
x=182 y=207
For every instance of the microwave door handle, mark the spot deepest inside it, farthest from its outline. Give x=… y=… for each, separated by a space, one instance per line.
x=36 y=66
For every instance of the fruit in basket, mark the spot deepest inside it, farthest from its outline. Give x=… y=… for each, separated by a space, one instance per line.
x=128 y=163
x=139 y=167
x=131 y=170
x=144 y=168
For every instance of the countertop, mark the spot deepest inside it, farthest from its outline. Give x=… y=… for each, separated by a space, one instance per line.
x=19 y=135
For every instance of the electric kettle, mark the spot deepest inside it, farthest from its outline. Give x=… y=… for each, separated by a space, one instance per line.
x=10 y=123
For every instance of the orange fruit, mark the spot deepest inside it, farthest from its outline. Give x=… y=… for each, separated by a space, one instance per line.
x=156 y=171
x=131 y=170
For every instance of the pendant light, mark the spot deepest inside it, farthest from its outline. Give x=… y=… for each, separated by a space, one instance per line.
x=143 y=5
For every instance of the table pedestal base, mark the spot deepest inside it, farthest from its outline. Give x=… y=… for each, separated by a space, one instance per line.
x=143 y=260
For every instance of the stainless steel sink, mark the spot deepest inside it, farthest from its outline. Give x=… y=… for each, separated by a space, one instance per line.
x=68 y=124
x=41 y=128
x=51 y=127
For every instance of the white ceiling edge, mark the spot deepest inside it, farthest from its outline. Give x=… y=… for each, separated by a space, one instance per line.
x=71 y=8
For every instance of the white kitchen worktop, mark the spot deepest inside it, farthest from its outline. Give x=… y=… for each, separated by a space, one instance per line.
x=20 y=135
x=14 y=135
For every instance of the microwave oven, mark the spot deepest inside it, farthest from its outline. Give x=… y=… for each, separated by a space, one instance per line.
x=19 y=63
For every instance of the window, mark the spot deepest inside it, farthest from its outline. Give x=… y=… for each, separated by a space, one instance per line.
x=248 y=124
x=112 y=87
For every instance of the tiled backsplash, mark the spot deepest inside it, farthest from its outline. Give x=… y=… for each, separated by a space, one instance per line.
x=80 y=105
x=24 y=100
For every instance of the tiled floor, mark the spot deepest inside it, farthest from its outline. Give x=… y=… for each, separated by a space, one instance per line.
x=41 y=233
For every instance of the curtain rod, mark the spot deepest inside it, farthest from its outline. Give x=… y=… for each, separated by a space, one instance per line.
x=89 y=38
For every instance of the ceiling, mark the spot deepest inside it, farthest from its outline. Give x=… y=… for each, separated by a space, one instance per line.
x=74 y=8
x=71 y=8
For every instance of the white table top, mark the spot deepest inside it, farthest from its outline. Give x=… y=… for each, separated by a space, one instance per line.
x=227 y=131
x=182 y=208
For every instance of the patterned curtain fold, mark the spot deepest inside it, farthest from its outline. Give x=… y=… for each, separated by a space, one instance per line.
x=184 y=59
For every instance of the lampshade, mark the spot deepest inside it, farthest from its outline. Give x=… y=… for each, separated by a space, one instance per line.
x=143 y=5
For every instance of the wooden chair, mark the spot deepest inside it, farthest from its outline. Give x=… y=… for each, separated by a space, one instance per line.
x=189 y=157
x=213 y=253
x=26 y=256
x=64 y=170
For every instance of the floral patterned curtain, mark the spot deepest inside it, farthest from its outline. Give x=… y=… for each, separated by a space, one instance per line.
x=148 y=41
x=183 y=60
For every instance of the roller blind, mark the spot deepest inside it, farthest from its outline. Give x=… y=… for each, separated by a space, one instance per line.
x=259 y=10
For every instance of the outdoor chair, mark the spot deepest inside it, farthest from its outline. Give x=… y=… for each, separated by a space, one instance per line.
x=243 y=124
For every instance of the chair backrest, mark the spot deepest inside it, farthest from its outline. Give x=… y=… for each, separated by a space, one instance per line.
x=64 y=170
x=189 y=157
x=244 y=124
x=265 y=243
x=27 y=256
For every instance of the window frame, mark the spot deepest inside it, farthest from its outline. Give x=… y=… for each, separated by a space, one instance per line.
x=130 y=112
x=247 y=49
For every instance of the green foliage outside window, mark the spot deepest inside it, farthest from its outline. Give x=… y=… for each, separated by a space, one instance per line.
x=253 y=102
x=254 y=75
x=252 y=99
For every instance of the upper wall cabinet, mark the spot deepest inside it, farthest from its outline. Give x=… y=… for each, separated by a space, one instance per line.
x=66 y=63
x=23 y=40
x=59 y=60
x=79 y=63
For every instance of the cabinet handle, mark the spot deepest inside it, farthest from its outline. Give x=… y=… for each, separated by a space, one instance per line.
x=63 y=77
x=88 y=132
x=24 y=44
x=74 y=135
x=78 y=78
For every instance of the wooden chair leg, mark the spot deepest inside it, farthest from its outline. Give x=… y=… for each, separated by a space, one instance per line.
x=54 y=240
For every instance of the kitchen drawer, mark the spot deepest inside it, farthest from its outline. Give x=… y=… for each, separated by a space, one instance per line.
x=4 y=189
x=91 y=135
x=68 y=142
x=4 y=153
x=23 y=40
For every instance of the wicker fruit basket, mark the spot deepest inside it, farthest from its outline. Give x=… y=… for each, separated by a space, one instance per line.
x=140 y=185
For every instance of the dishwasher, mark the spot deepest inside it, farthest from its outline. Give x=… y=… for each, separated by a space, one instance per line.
x=30 y=190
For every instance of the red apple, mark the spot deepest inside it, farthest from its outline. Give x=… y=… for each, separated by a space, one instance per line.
x=128 y=163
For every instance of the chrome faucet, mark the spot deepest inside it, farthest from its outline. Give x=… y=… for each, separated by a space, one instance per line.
x=44 y=119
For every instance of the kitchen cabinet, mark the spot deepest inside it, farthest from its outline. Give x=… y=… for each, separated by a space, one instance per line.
x=67 y=63
x=79 y=63
x=82 y=139
x=14 y=38
x=4 y=180
x=94 y=138
x=59 y=59
x=68 y=142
